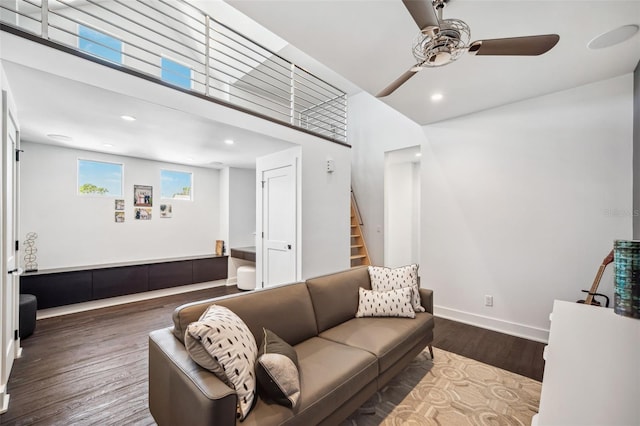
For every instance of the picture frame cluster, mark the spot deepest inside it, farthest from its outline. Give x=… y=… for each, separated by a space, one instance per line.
x=143 y=205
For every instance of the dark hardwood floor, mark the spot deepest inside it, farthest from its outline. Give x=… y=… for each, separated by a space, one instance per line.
x=90 y=368
x=510 y=353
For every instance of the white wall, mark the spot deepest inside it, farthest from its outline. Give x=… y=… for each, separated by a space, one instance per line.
x=240 y=193
x=373 y=129
x=78 y=230
x=523 y=202
x=326 y=217
x=242 y=205
x=325 y=205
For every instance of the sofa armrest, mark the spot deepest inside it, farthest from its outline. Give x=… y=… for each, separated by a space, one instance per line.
x=182 y=392
x=426 y=299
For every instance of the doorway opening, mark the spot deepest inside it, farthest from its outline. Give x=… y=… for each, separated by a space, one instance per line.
x=402 y=207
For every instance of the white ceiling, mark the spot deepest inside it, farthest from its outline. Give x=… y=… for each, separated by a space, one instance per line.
x=369 y=43
x=352 y=44
x=49 y=104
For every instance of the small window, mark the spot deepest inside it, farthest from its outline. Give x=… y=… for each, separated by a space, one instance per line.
x=176 y=185
x=99 y=44
x=97 y=178
x=176 y=73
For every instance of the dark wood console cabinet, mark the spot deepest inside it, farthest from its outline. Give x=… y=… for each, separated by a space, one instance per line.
x=74 y=285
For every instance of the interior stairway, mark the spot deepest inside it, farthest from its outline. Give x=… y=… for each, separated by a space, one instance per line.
x=359 y=253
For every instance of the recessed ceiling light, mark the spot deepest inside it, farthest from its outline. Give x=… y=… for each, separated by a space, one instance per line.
x=436 y=97
x=229 y=141
x=107 y=145
x=128 y=118
x=418 y=154
x=189 y=159
x=60 y=138
x=613 y=37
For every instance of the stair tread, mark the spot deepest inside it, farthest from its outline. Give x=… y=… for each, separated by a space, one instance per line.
x=359 y=256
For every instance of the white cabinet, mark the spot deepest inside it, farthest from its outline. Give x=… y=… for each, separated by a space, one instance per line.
x=592 y=370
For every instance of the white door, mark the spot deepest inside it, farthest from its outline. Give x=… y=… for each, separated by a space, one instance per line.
x=277 y=249
x=9 y=303
x=279 y=218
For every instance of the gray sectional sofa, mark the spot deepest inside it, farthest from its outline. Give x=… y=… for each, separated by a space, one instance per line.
x=343 y=360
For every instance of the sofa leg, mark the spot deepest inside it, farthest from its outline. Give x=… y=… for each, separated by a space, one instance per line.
x=431 y=351
x=367 y=410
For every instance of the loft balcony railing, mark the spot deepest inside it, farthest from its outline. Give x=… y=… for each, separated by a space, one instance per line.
x=220 y=63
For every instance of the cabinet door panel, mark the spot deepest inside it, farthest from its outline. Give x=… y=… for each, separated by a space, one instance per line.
x=114 y=282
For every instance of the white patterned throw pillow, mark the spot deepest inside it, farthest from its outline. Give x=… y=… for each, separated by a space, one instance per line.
x=223 y=344
x=393 y=303
x=385 y=279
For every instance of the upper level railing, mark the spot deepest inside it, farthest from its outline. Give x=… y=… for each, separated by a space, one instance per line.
x=175 y=42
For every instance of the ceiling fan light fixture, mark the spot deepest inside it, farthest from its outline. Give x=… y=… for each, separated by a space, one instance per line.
x=430 y=31
x=445 y=47
x=435 y=49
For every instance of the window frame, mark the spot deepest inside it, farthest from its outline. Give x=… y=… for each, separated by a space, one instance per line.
x=191 y=194
x=104 y=33
x=107 y=195
x=164 y=57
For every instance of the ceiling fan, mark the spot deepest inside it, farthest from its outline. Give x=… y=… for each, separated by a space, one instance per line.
x=442 y=41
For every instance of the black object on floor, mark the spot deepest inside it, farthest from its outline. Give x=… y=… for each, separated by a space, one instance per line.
x=28 y=308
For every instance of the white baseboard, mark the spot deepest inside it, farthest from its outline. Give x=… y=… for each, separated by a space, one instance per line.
x=103 y=303
x=495 y=324
x=4 y=400
x=232 y=281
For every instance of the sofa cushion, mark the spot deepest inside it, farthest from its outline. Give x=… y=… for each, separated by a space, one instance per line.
x=385 y=279
x=386 y=338
x=277 y=370
x=221 y=342
x=276 y=308
x=393 y=303
x=335 y=296
x=330 y=375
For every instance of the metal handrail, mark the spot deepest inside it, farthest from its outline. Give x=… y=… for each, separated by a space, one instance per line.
x=225 y=66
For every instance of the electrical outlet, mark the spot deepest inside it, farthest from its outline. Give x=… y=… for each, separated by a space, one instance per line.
x=488 y=300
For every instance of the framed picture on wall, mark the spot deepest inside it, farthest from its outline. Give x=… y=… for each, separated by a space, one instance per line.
x=119 y=217
x=119 y=204
x=143 y=214
x=166 y=210
x=142 y=195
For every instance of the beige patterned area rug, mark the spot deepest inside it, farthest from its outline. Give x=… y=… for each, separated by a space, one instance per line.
x=450 y=391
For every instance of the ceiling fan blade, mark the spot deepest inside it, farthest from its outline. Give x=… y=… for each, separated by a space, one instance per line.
x=517 y=46
x=398 y=82
x=422 y=12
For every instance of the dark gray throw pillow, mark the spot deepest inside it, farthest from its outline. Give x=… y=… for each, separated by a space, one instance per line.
x=277 y=371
